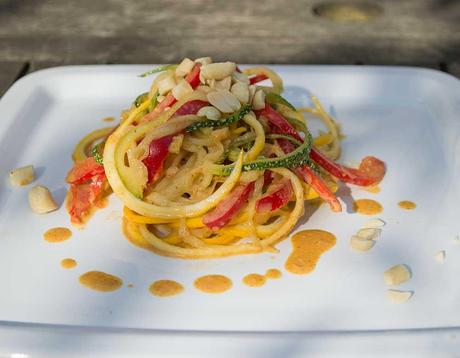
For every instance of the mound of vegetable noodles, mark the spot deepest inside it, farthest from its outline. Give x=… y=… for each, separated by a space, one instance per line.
x=208 y=163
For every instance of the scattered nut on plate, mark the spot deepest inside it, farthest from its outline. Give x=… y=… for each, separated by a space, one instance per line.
x=374 y=223
x=22 y=176
x=398 y=296
x=440 y=256
x=396 y=275
x=359 y=244
x=369 y=233
x=41 y=201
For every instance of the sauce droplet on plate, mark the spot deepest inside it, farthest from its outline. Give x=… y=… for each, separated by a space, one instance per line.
x=57 y=234
x=254 y=280
x=108 y=119
x=407 y=205
x=100 y=281
x=213 y=283
x=308 y=246
x=68 y=263
x=165 y=288
x=273 y=274
x=367 y=207
x=372 y=189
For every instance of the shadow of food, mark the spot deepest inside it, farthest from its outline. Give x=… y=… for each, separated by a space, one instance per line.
x=344 y=193
x=59 y=195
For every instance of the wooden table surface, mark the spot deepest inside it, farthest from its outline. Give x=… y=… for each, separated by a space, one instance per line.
x=39 y=34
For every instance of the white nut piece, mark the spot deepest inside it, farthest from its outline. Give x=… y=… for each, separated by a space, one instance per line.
x=182 y=89
x=374 y=223
x=396 y=275
x=397 y=296
x=40 y=200
x=440 y=256
x=218 y=71
x=241 y=91
x=252 y=92
x=166 y=85
x=204 y=89
x=224 y=84
x=240 y=77
x=224 y=101
x=369 y=233
x=209 y=112
x=360 y=244
x=204 y=60
x=258 y=102
x=22 y=176
x=184 y=67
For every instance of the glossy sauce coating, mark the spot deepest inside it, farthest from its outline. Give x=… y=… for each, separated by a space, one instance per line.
x=165 y=288
x=100 y=281
x=254 y=280
x=68 y=263
x=57 y=234
x=407 y=205
x=273 y=274
x=308 y=246
x=367 y=207
x=213 y=283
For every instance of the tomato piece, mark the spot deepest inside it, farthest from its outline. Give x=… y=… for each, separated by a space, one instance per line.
x=370 y=172
x=84 y=170
x=158 y=151
x=257 y=79
x=279 y=195
x=229 y=207
x=84 y=196
x=159 y=148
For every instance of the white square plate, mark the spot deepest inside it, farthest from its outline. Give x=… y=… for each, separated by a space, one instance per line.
x=407 y=117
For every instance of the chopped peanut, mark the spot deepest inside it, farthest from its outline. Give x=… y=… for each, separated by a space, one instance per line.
x=40 y=200
x=22 y=176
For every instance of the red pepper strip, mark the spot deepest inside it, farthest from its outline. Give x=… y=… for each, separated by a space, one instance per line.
x=84 y=171
x=370 y=171
x=159 y=148
x=229 y=207
x=193 y=78
x=279 y=196
x=191 y=107
x=277 y=120
x=238 y=69
x=280 y=125
x=257 y=79
x=158 y=151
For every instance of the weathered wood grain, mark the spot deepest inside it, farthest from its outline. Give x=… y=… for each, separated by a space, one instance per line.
x=411 y=32
x=9 y=72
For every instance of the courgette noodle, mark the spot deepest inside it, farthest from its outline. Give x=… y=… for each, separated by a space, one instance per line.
x=178 y=172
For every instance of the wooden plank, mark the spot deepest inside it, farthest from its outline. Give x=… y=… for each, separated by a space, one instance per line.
x=415 y=32
x=9 y=72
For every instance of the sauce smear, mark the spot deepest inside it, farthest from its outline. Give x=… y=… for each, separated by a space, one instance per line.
x=308 y=246
x=273 y=274
x=372 y=189
x=57 y=234
x=407 y=205
x=68 y=263
x=254 y=280
x=166 y=288
x=213 y=283
x=100 y=281
x=367 y=207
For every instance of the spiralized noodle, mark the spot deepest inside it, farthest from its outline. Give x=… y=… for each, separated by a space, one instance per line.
x=198 y=187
